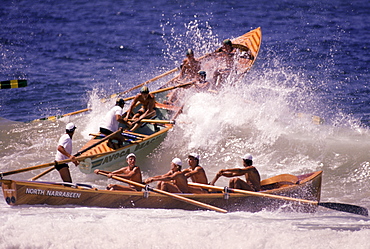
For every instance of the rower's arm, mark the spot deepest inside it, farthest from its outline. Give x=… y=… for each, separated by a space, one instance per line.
x=149 y=110
x=229 y=173
x=129 y=111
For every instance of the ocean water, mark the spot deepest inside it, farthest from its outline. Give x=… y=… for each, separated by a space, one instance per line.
x=313 y=62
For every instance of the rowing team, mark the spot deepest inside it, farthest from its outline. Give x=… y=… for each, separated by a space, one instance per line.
x=176 y=180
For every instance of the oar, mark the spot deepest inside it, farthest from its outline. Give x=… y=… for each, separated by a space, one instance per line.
x=76 y=155
x=335 y=206
x=165 y=89
x=12 y=84
x=2 y=174
x=155 y=121
x=178 y=197
x=151 y=80
x=52 y=118
x=140 y=85
x=42 y=174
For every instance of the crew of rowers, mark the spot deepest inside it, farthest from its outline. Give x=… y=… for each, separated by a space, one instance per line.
x=176 y=179
x=190 y=73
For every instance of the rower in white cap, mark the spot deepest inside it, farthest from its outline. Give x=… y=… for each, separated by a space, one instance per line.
x=64 y=151
x=131 y=172
x=173 y=181
x=195 y=172
x=252 y=177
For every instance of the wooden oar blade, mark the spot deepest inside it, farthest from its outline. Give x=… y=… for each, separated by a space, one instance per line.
x=348 y=208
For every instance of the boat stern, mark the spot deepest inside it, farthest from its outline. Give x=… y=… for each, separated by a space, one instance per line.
x=9 y=191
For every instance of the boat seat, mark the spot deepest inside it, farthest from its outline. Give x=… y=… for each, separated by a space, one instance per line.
x=279 y=181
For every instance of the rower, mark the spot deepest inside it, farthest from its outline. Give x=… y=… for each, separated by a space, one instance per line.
x=64 y=151
x=131 y=172
x=226 y=52
x=252 y=177
x=113 y=117
x=147 y=101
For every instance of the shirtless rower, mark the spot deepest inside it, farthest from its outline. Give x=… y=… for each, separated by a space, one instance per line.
x=189 y=67
x=174 y=181
x=189 y=70
x=252 y=177
x=226 y=53
x=196 y=173
x=147 y=101
x=131 y=172
x=200 y=84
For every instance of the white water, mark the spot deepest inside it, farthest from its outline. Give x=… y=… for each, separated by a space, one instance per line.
x=263 y=122
x=48 y=227
x=269 y=129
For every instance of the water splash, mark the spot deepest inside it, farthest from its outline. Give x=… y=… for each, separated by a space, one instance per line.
x=197 y=36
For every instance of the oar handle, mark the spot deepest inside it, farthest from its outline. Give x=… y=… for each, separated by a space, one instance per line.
x=178 y=197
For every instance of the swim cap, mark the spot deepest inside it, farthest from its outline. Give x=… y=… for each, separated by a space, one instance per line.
x=70 y=127
x=247 y=157
x=177 y=161
x=130 y=155
x=195 y=155
x=227 y=42
x=189 y=52
x=144 y=89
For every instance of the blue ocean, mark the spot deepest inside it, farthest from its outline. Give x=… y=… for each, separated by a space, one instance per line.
x=314 y=62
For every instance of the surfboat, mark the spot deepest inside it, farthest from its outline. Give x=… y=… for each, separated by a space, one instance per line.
x=307 y=186
x=113 y=151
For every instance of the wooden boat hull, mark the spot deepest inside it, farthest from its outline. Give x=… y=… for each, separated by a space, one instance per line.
x=252 y=40
x=41 y=193
x=248 y=47
x=107 y=160
x=111 y=153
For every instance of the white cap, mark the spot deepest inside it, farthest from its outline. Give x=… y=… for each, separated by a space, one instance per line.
x=70 y=126
x=177 y=161
x=130 y=155
x=195 y=155
x=247 y=157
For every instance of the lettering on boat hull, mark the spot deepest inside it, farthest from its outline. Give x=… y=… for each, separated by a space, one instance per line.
x=120 y=155
x=65 y=194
